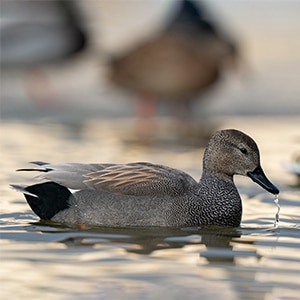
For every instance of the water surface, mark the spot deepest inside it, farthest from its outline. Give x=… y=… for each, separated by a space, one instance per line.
x=54 y=261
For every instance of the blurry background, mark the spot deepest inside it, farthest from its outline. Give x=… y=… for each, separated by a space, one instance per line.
x=36 y=84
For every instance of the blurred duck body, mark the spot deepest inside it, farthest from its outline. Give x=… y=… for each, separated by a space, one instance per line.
x=180 y=63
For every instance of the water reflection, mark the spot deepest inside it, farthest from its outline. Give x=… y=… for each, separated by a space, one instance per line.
x=220 y=250
x=215 y=243
x=145 y=241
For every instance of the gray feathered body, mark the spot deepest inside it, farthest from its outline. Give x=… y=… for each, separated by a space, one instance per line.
x=197 y=205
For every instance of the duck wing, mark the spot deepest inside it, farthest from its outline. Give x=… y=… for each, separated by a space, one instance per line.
x=71 y=175
x=137 y=179
x=140 y=179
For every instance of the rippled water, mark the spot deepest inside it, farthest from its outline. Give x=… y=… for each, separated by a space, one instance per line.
x=52 y=261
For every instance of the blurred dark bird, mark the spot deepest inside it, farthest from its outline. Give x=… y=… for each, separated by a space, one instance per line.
x=38 y=32
x=177 y=65
x=34 y=33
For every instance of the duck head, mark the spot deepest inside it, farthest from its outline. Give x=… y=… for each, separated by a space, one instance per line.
x=231 y=152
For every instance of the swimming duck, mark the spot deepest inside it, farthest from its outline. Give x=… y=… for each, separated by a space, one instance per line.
x=146 y=194
x=178 y=64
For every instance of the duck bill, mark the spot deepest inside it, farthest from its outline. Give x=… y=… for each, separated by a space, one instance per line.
x=260 y=178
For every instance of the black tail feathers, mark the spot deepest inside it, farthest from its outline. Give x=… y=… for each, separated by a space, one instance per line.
x=46 y=199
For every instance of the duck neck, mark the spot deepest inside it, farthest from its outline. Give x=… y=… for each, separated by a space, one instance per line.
x=221 y=202
x=215 y=173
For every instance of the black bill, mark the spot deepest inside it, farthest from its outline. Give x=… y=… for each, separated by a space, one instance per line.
x=259 y=177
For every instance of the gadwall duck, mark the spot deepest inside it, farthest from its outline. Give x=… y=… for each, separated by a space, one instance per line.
x=145 y=194
x=176 y=65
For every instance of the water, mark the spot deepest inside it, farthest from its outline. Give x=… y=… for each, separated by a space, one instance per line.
x=276 y=201
x=53 y=261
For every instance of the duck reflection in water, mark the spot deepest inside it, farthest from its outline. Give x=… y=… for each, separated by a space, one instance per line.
x=217 y=241
x=145 y=240
x=215 y=252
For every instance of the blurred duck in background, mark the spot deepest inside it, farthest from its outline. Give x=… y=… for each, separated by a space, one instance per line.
x=175 y=66
x=35 y=33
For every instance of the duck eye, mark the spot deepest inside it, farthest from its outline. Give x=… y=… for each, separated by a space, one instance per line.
x=243 y=150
